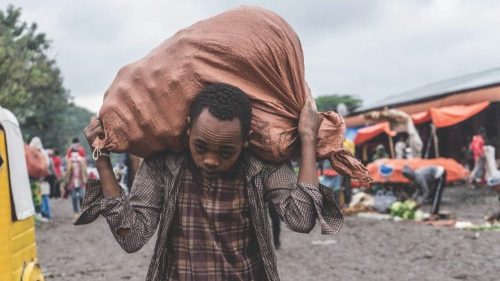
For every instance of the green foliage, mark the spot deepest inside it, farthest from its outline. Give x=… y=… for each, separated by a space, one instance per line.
x=75 y=120
x=31 y=84
x=330 y=102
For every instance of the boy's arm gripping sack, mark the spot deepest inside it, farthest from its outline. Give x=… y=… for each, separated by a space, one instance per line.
x=145 y=109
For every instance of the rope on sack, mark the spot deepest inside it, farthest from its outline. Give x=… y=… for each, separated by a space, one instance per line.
x=98 y=153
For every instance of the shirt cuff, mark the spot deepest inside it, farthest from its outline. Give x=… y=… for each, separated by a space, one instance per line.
x=329 y=214
x=95 y=204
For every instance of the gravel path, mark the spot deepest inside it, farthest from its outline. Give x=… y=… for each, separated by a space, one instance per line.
x=366 y=249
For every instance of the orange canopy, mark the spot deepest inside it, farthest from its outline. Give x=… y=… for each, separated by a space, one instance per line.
x=370 y=132
x=451 y=115
x=421 y=117
x=441 y=117
x=454 y=171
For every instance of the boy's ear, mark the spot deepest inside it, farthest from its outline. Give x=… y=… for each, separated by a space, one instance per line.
x=247 y=141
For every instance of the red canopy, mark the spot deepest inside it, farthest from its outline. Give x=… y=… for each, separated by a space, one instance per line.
x=370 y=132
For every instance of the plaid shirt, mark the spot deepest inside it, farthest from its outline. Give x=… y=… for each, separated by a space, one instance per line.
x=154 y=195
x=211 y=236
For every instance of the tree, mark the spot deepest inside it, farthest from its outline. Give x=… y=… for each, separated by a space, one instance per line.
x=330 y=102
x=75 y=120
x=31 y=84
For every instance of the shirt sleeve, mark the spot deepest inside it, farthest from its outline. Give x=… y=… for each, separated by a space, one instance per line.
x=300 y=204
x=136 y=214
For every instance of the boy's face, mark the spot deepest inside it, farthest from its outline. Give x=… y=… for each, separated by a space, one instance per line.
x=215 y=144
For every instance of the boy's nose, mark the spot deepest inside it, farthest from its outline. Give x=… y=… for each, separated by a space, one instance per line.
x=211 y=162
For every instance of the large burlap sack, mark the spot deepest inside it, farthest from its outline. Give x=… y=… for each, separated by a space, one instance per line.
x=36 y=162
x=145 y=109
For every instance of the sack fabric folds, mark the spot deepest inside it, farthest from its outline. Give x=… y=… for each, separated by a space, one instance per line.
x=145 y=109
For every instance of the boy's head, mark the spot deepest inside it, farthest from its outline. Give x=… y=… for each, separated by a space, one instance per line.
x=219 y=124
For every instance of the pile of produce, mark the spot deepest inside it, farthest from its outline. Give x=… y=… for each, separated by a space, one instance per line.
x=407 y=210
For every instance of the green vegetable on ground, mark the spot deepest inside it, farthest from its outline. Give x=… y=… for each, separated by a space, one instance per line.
x=405 y=210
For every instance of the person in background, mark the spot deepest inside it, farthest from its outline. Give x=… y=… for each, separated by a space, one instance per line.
x=55 y=188
x=380 y=153
x=400 y=147
x=41 y=188
x=467 y=160
x=120 y=171
x=45 y=204
x=478 y=174
x=494 y=183
x=75 y=178
x=430 y=182
x=36 y=194
x=75 y=144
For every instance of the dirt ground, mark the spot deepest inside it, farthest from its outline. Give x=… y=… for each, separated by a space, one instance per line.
x=366 y=249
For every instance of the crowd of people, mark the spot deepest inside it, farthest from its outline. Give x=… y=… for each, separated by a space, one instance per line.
x=65 y=176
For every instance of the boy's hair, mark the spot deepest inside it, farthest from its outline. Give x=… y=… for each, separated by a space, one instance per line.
x=225 y=102
x=75 y=140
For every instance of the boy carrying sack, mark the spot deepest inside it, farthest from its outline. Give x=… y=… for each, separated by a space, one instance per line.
x=215 y=157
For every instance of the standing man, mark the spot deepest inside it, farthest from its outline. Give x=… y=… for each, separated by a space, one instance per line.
x=75 y=179
x=55 y=191
x=478 y=174
x=494 y=182
x=430 y=182
x=400 y=146
x=209 y=202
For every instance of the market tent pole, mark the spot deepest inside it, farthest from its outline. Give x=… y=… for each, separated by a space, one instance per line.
x=428 y=146
x=436 y=141
x=391 y=145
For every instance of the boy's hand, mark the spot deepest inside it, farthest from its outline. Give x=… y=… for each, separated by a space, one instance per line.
x=308 y=130
x=309 y=121
x=93 y=130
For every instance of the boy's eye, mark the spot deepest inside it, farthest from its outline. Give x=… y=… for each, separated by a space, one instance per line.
x=226 y=154
x=200 y=148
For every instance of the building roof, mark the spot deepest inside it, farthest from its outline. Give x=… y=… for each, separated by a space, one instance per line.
x=438 y=89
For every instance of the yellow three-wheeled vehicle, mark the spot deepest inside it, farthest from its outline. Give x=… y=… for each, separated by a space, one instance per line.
x=18 y=259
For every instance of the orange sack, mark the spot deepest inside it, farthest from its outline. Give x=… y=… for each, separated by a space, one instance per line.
x=37 y=165
x=145 y=109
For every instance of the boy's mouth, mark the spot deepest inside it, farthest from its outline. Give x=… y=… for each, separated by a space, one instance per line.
x=210 y=173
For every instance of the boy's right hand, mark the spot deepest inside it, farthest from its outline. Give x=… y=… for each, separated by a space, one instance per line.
x=309 y=121
x=93 y=130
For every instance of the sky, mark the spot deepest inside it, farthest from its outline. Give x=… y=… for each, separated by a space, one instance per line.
x=367 y=48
